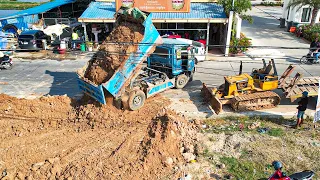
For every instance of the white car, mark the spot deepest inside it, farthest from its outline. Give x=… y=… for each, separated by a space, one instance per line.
x=200 y=50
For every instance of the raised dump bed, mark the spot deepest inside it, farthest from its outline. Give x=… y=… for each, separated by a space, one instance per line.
x=115 y=68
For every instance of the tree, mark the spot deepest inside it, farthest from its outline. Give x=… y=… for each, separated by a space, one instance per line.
x=240 y=7
x=315 y=4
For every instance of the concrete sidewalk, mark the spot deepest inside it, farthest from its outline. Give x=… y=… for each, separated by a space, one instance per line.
x=49 y=55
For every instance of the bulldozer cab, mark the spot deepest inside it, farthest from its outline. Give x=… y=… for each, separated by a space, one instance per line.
x=266 y=78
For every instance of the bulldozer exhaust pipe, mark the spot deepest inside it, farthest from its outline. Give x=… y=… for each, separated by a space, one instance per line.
x=240 y=71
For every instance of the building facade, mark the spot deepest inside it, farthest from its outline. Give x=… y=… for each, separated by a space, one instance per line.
x=295 y=16
x=205 y=21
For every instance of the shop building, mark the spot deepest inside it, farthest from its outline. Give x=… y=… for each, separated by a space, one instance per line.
x=203 y=20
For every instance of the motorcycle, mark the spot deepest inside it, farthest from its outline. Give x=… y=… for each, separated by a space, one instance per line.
x=308 y=59
x=5 y=62
x=304 y=175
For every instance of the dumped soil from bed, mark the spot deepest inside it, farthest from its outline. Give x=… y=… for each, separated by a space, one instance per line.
x=60 y=138
x=121 y=42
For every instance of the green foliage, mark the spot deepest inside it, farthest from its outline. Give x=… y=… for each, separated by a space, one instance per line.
x=242 y=119
x=15 y=5
x=242 y=169
x=277 y=132
x=239 y=44
x=240 y=7
x=271 y=3
x=310 y=32
x=301 y=3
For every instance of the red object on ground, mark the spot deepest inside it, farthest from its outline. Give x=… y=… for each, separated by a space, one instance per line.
x=203 y=41
x=174 y=36
x=292 y=29
x=61 y=51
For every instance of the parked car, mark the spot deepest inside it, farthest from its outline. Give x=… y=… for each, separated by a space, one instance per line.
x=200 y=53
x=32 y=39
x=200 y=50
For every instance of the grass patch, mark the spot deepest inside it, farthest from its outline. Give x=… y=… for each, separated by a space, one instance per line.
x=276 y=132
x=241 y=169
x=14 y=5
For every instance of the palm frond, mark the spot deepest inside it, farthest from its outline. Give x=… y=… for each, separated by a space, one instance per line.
x=301 y=3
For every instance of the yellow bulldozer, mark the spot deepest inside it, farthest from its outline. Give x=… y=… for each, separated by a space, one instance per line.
x=245 y=92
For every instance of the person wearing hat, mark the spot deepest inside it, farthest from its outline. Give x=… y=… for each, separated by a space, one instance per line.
x=303 y=103
x=278 y=174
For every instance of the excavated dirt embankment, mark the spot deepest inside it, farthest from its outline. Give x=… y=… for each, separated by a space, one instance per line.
x=59 y=138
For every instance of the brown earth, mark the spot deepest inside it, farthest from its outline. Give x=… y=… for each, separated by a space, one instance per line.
x=110 y=55
x=60 y=138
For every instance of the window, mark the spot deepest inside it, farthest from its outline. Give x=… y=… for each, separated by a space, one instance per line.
x=180 y=25
x=172 y=26
x=306 y=12
x=162 y=52
x=25 y=37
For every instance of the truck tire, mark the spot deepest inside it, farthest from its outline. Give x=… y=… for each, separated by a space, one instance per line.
x=181 y=81
x=192 y=74
x=136 y=100
x=196 y=61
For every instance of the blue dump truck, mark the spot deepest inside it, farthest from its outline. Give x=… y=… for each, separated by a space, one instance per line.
x=171 y=65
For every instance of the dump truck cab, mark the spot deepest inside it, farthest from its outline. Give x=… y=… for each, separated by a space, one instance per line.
x=173 y=57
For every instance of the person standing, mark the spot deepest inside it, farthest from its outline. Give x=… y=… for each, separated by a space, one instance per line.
x=303 y=103
x=75 y=37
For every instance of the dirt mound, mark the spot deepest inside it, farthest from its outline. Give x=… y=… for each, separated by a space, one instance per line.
x=57 y=107
x=57 y=137
x=105 y=62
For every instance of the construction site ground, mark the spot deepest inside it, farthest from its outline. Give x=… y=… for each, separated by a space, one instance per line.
x=175 y=134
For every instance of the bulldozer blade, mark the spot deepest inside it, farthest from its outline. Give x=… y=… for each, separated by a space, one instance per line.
x=216 y=104
x=210 y=97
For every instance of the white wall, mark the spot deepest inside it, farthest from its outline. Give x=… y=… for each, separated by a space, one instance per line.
x=295 y=14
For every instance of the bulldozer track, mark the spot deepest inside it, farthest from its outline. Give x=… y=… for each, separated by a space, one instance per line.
x=255 y=101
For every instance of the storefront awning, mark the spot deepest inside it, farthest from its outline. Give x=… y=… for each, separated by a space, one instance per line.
x=199 y=13
x=38 y=9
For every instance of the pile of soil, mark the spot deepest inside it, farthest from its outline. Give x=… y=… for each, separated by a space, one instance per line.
x=57 y=137
x=121 y=42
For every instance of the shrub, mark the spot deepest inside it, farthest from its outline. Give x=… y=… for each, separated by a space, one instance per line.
x=310 y=32
x=241 y=44
x=271 y=3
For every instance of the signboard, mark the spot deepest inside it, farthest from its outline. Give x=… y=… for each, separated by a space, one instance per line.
x=317 y=115
x=12 y=21
x=156 y=5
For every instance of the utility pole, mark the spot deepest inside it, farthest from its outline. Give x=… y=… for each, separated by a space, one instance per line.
x=229 y=29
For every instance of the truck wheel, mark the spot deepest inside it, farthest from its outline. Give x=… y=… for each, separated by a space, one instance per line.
x=136 y=100
x=192 y=74
x=181 y=81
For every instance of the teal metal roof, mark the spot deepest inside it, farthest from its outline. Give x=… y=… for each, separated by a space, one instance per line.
x=38 y=9
x=106 y=10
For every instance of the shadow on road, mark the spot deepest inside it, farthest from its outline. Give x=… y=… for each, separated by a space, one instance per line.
x=193 y=89
x=64 y=83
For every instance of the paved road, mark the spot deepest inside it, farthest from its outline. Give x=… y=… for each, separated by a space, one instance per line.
x=34 y=78
x=265 y=31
